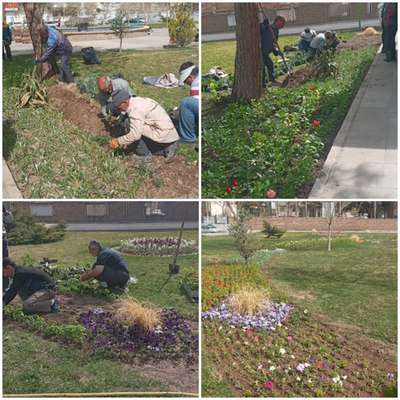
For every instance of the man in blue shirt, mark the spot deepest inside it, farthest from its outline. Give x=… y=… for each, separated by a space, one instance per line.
x=109 y=268
x=57 y=46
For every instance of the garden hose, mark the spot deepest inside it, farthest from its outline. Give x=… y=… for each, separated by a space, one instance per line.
x=101 y=394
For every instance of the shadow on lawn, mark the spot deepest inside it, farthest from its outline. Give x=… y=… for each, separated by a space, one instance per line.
x=10 y=137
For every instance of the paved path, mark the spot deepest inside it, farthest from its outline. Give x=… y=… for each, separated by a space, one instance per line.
x=10 y=189
x=294 y=30
x=362 y=163
x=156 y=40
x=134 y=226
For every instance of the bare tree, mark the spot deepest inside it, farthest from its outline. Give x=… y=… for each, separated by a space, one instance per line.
x=248 y=63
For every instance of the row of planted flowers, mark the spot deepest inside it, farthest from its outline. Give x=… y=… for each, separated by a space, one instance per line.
x=157 y=246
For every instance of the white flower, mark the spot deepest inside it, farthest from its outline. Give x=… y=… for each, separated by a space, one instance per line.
x=337 y=380
x=301 y=367
x=272 y=368
x=344 y=377
x=298 y=379
x=220 y=328
x=292 y=356
x=305 y=311
x=282 y=351
x=259 y=367
x=233 y=364
x=309 y=381
x=246 y=343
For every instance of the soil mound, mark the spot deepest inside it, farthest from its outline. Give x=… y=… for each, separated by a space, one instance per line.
x=367 y=38
x=76 y=108
x=298 y=77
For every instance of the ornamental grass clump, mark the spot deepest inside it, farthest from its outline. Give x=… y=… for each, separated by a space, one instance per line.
x=131 y=312
x=250 y=301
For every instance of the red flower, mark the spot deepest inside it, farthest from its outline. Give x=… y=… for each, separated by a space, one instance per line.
x=321 y=365
x=235 y=182
x=271 y=194
x=268 y=385
x=316 y=123
x=228 y=190
x=248 y=332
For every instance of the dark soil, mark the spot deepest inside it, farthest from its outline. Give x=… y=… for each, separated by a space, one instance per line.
x=76 y=108
x=177 y=179
x=298 y=77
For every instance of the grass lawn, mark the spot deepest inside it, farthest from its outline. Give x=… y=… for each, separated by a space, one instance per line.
x=279 y=141
x=48 y=367
x=350 y=296
x=50 y=158
x=151 y=272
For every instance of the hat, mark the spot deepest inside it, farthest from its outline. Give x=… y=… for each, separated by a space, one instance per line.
x=184 y=74
x=117 y=98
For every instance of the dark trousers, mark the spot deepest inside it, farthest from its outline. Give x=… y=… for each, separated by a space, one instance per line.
x=7 y=51
x=269 y=64
x=145 y=146
x=389 y=43
x=63 y=70
x=114 y=278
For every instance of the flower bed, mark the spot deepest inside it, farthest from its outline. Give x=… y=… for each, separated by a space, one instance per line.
x=271 y=147
x=165 y=246
x=273 y=316
x=172 y=339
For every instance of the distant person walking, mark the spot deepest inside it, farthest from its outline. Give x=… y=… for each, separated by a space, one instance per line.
x=58 y=46
x=389 y=27
x=7 y=39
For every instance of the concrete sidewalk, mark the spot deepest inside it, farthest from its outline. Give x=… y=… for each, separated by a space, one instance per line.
x=295 y=30
x=156 y=40
x=134 y=226
x=10 y=188
x=362 y=163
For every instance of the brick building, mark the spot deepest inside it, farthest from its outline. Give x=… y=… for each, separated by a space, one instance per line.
x=109 y=212
x=220 y=17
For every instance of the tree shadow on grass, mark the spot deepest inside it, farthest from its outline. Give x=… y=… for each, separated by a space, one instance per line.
x=9 y=137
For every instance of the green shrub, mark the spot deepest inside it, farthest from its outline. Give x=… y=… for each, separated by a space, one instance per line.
x=317 y=244
x=271 y=231
x=26 y=230
x=259 y=258
x=181 y=26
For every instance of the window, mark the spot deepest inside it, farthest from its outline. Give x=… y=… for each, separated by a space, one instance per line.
x=154 y=208
x=42 y=210
x=96 y=210
x=231 y=20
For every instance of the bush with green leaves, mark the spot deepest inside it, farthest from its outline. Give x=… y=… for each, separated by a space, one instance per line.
x=271 y=231
x=181 y=25
x=278 y=141
x=26 y=230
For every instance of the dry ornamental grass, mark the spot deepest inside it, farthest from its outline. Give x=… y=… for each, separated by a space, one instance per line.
x=132 y=312
x=250 y=301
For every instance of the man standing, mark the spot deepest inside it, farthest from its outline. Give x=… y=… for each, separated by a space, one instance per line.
x=35 y=287
x=57 y=46
x=109 y=268
x=189 y=107
x=389 y=25
x=151 y=130
x=7 y=39
x=269 y=44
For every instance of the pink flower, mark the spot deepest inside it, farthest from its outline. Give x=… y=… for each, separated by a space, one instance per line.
x=271 y=193
x=268 y=385
x=228 y=190
x=290 y=338
x=248 y=332
x=316 y=123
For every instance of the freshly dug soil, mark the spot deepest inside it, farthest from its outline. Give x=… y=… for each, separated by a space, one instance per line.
x=298 y=77
x=361 y=40
x=76 y=108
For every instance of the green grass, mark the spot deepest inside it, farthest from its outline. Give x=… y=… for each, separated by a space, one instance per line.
x=47 y=367
x=50 y=158
x=151 y=272
x=354 y=285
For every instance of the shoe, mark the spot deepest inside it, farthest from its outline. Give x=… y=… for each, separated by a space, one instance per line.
x=170 y=152
x=145 y=159
x=55 y=307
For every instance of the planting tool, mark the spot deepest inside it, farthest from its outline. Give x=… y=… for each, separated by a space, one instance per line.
x=174 y=268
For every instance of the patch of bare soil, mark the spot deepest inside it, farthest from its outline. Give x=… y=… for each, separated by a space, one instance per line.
x=76 y=108
x=178 y=178
x=361 y=40
x=298 y=77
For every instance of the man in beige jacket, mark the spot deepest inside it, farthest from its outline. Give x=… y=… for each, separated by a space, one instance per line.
x=151 y=130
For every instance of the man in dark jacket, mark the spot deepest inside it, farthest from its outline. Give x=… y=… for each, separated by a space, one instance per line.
x=109 y=268
x=389 y=26
x=34 y=286
x=57 y=46
x=7 y=39
x=269 y=44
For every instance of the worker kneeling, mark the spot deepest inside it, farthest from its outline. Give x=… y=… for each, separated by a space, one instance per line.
x=35 y=287
x=109 y=268
x=151 y=130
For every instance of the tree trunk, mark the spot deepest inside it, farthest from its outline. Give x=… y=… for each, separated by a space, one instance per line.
x=34 y=18
x=248 y=63
x=120 y=42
